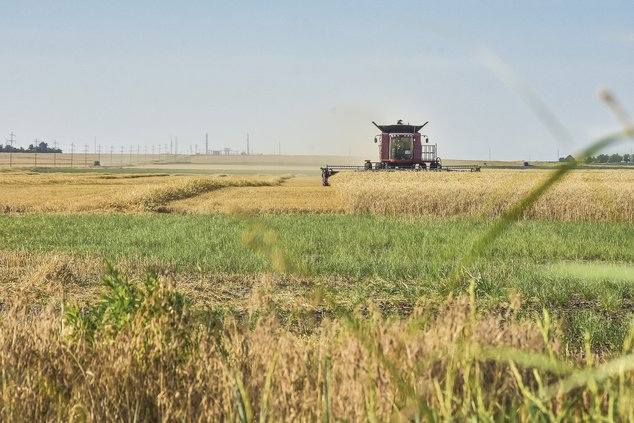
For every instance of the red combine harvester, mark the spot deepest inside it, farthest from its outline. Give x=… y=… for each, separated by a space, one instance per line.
x=401 y=147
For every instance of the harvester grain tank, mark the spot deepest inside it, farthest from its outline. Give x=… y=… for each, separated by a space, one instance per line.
x=401 y=147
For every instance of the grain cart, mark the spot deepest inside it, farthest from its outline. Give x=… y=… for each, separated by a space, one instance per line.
x=401 y=147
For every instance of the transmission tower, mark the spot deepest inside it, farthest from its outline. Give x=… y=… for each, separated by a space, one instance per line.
x=10 y=142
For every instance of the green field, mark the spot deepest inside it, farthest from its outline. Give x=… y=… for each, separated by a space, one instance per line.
x=346 y=245
x=395 y=261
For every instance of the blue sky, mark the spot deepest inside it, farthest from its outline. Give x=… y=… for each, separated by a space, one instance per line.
x=310 y=77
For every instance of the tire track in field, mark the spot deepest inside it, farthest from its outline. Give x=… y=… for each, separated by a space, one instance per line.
x=157 y=199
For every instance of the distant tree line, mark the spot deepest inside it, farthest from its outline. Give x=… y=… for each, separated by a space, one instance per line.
x=610 y=158
x=33 y=148
x=603 y=158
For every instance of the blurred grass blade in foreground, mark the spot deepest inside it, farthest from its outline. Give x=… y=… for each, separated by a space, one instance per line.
x=592 y=271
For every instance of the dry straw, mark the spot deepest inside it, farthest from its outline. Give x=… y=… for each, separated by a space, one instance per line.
x=152 y=357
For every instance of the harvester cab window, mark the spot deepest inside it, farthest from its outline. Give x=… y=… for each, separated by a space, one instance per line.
x=401 y=147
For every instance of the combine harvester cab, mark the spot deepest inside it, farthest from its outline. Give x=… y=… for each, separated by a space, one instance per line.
x=401 y=147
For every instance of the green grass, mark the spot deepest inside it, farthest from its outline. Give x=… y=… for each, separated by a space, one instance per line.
x=394 y=261
x=354 y=246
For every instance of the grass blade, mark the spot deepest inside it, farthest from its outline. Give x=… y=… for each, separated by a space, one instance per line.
x=616 y=367
x=516 y=212
x=264 y=404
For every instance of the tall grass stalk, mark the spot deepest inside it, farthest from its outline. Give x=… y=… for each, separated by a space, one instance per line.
x=154 y=359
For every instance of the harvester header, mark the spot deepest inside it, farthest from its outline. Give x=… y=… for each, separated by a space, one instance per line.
x=401 y=147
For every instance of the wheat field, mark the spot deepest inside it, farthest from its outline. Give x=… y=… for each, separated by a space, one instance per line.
x=32 y=192
x=294 y=195
x=583 y=195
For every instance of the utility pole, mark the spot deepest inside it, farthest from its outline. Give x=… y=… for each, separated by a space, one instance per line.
x=279 y=148
x=171 y=144
x=54 y=153
x=72 y=153
x=35 y=153
x=489 y=153
x=86 y=155
x=99 y=154
x=10 y=141
x=95 y=150
x=121 y=157
x=206 y=143
x=248 y=144
x=111 y=151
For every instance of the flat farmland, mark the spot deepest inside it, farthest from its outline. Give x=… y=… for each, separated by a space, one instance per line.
x=139 y=162
x=258 y=284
